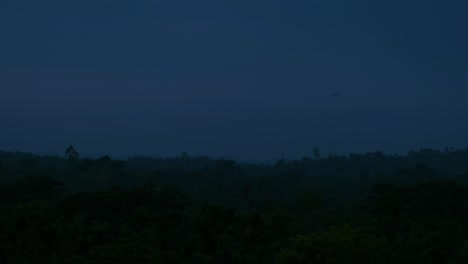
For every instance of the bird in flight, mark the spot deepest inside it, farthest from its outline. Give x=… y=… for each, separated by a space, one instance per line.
x=335 y=94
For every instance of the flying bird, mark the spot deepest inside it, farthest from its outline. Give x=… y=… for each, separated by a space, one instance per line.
x=335 y=94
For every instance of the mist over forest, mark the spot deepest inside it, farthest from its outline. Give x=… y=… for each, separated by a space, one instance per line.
x=233 y=132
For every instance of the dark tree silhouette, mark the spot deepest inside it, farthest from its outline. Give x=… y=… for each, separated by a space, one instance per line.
x=71 y=153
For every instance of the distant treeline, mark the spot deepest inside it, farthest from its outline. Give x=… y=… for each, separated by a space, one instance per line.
x=335 y=177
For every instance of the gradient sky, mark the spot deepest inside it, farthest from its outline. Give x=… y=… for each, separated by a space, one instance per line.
x=241 y=79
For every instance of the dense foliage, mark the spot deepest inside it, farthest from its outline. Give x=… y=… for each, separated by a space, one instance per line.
x=360 y=208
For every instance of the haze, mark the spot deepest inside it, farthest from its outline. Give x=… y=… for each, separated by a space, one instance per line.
x=240 y=79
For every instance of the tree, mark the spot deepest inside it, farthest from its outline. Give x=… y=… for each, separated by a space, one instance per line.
x=71 y=153
x=316 y=153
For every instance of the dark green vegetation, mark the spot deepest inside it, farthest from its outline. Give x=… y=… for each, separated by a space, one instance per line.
x=370 y=208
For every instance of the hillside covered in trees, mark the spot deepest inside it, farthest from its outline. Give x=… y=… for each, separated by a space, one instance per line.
x=359 y=208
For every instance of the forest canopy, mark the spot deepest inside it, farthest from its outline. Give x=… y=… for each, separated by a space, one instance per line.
x=358 y=208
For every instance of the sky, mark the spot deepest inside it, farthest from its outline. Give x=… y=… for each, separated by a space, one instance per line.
x=243 y=79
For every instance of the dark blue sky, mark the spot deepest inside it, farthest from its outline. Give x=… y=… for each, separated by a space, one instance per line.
x=243 y=79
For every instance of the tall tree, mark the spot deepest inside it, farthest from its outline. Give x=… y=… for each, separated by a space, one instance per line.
x=316 y=153
x=71 y=153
